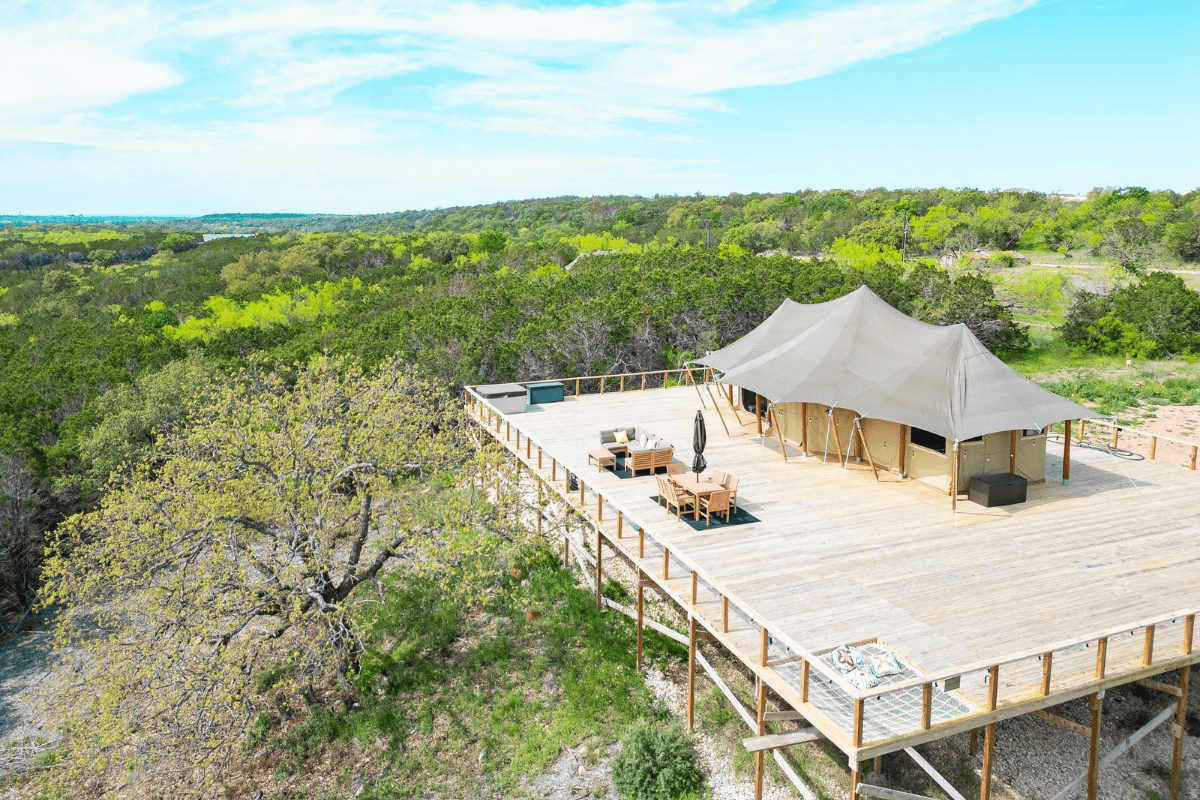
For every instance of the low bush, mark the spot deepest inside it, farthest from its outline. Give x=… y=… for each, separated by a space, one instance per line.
x=657 y=763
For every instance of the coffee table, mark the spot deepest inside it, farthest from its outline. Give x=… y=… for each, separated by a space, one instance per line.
x=603 y=458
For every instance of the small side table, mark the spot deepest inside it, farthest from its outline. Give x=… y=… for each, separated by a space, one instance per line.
x=603 y=458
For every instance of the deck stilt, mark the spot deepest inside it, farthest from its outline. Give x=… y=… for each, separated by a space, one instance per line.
x=1095 y=701
x=762 y=728
x=1180 y=731
x=691 y=690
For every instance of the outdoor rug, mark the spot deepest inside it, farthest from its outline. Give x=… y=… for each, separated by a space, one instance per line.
x=624 y=474
x=739 y=517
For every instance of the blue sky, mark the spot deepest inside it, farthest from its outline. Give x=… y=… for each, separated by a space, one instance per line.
x=360 y=107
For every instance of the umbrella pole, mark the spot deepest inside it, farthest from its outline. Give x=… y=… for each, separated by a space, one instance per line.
x=717 y=408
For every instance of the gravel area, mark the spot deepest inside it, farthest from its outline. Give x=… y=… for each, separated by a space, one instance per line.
x=24 y=667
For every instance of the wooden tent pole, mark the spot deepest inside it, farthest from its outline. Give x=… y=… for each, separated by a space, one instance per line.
x=692 y=381
x=989 y=736
x=717 y=408
x=774 y=421
x=758 y=412
x=1066 y=475
x=1012 y=452
x=804 y=429
x=903 y=448
x=863 y=439
x=836 y=438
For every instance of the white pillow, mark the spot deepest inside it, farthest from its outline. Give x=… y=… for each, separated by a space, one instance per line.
x=651 y=443
x=642 y=439
x=621 y=436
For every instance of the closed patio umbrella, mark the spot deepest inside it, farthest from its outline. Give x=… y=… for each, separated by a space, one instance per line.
x=699 y=439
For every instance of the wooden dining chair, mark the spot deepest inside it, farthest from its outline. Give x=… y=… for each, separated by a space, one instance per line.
x=715 y=503
x=676 y=468
x=665 y=489
x=677 y=497
x=731 y=483
x=718 y=476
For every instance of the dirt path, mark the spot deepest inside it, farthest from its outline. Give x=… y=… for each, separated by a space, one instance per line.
x=24 y=668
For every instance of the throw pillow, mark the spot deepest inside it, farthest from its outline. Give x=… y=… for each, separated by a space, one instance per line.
x=621 y=436
x=642 y=439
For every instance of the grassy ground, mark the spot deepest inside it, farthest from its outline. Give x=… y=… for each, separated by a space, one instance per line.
x=464 y=702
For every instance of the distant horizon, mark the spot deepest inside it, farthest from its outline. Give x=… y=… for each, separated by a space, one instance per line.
x=169 y=216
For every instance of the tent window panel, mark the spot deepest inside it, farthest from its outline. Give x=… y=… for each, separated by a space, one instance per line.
x=973 y=439
x=930 y=441
x=1025 y=434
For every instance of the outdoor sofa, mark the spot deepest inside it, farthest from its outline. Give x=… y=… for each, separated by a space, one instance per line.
x=643 y=450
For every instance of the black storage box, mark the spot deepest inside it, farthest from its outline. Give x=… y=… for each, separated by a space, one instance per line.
x=997 y=489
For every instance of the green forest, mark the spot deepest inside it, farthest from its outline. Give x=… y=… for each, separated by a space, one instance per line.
x=139 y=363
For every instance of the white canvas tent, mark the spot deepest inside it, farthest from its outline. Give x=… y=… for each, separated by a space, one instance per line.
x=860 y=354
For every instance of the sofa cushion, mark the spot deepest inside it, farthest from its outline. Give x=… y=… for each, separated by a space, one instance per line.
x=621 y=436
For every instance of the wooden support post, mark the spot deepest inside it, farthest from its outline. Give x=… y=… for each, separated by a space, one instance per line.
x=643 y=380
x=954 y=478
x=903 y=454
x=640 y=601
x=599 y=507
x=620 y=522
x=763 y=642
x=1153 y=446
x=603 y=381
x=1115 y=434
x=762 y=729
x=1012 y=451
x=1179 y=729
x=758 y=412
x=689 y=379
x=622 y=383
x=724 y=614
x=691 y=690
x=855 y=780
x=641 y=543
x=528 y=448
x=1082 y=425
x=804 y=429
x=804 y=680
x=507 y=430
x=1101 y=656
x=1095 y=702
x=599 y=569
x=553 y=469
x=837 y=438
x=539 y=456
x=717 y=408
x=858 y=722
x=1193 y=463
x=577 y=387
x=774 y=421
x=862 y=438
x=580 y=493
x=1066 y=471
x=989 y=736
x=973 y=744
x=926 y=705
x=1148 y=647
x=1047 y=661
x=693 y=587
x=666 y=564
x=1189 y=626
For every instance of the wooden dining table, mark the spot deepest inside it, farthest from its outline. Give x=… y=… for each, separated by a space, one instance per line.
x=697 y=487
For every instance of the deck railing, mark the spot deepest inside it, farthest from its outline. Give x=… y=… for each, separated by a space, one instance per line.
x=813 y=665
x=1116 y=430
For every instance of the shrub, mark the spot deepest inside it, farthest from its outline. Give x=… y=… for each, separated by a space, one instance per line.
x=656 y=763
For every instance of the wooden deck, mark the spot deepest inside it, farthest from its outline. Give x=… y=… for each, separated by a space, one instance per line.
x=838 y=557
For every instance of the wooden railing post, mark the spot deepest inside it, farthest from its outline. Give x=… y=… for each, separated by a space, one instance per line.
x=1047 y=661
x=926 y=705
x=1148 y=647
x=989 y=735
x=666 y=563
x=1101 y=657
x=1153 y=446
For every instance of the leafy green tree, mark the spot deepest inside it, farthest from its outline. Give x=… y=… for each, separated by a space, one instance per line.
x=243 y=545
x=177 y=242
x=491 y=241
x=443 y=247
